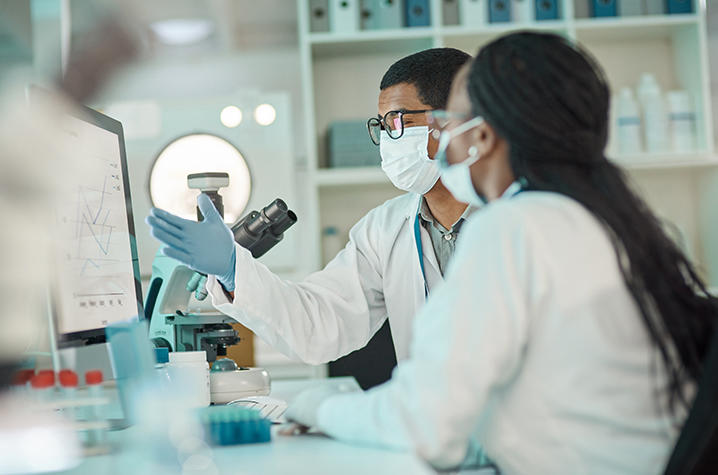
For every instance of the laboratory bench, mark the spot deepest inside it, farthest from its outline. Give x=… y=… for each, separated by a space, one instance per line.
x=311 y=453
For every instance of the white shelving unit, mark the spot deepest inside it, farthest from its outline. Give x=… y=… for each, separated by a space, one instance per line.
x=679 y=187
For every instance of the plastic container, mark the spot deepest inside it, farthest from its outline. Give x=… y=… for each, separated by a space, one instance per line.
x=654 y=114
x=43 y=386
x=628 y=123
x=93 y=381
x=189 y=371
x=681 y=121
x=232 y=425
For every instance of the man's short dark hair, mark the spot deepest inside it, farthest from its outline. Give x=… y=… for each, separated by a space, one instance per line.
x=430 y=71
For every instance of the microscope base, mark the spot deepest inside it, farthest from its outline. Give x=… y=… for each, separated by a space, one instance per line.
x=226 y=386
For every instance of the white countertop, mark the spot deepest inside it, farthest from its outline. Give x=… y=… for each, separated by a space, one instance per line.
x=300 y=454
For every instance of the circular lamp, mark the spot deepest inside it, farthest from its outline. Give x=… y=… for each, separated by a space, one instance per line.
x=231 y=116
x=198 y=153
x=265 y=114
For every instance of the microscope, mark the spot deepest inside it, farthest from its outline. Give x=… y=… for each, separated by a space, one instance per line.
x=180 y=316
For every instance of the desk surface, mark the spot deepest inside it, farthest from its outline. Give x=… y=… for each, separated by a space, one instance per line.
x=304 y=454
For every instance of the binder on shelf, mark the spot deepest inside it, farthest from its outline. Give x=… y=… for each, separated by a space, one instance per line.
x=522 y=11
x=381 y=14
x=318 y=16
x=654 y=7
x=547 y=9
x=581 y=9
x=630 y=7
x=348 y=145
x=473 y=12
x=450 y=12
x=499 y=11
x=679 y=6
x=344 y=16
x=604 y=8
x=417 y=13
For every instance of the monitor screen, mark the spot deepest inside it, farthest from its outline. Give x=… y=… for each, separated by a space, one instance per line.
x=97 y=278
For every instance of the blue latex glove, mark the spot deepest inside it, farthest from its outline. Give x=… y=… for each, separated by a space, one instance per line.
x=206 y=246
x=198 y=284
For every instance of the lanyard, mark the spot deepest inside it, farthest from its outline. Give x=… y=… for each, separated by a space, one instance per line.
x=420 y=251
x=514 y=189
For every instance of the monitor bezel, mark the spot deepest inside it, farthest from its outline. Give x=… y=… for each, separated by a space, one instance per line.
x=97 y=335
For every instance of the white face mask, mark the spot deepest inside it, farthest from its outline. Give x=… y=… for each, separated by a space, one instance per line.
x=457 y=177
x=406 y=161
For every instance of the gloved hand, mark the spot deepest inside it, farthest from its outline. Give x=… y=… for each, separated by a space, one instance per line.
x=304 y=409
x=206 y=246
x=198 y=284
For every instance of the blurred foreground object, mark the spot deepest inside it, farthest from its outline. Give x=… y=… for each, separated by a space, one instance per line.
x=34 y=439
x=36 y=157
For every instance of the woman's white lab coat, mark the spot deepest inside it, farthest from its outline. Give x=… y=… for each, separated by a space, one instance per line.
x=338 y=309
x=532 y=348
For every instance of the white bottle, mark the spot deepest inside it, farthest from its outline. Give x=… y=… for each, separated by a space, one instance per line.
x=628 y=123
x=189 y=372
x=681 y=121
x=654 y=114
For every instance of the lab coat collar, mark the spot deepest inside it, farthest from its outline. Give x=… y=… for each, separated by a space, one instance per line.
x=416 y=204
x=514 y=188
x=426 y=216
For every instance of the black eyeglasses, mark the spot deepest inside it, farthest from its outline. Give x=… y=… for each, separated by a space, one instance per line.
x=392 y=123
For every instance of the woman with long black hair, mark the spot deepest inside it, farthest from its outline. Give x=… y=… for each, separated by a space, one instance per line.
x=571 y=331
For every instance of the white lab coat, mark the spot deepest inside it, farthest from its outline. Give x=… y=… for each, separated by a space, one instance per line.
x=532 y=348
x=338 y=309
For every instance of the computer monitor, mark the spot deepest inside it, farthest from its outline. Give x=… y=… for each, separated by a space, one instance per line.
x=97 y=275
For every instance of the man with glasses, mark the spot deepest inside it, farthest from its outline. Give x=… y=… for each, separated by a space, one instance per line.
x=395 y=256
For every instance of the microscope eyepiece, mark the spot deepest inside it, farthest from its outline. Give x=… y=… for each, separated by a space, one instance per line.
x=260 y=231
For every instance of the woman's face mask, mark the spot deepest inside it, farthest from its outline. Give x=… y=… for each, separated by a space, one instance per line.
x=457 y=177
x=406 y=161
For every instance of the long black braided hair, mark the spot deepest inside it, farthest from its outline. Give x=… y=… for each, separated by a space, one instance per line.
x=549 y=100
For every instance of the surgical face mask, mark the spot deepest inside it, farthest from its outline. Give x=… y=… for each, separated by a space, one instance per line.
x=406 y=161
x=457 y=177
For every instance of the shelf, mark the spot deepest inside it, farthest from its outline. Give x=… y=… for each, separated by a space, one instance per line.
x=371 y=35
x=395 y=41
x=334 y=177
x=329 y=177
x=667 y=161
x=493 y=29
x=652 y=26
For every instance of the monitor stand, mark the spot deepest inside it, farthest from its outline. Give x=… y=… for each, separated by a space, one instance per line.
x=85 y=358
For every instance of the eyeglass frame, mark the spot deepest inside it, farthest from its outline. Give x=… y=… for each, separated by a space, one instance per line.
x=437 y=116
x=384 y=125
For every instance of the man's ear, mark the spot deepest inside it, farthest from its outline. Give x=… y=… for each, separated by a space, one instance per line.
x=485 y=139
